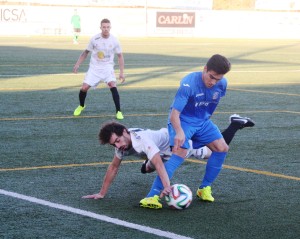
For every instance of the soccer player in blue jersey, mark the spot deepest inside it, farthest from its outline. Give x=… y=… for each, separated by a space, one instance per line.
x=189 y=119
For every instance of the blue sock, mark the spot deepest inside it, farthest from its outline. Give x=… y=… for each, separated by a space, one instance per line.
x=171 y=165
x=213 y=168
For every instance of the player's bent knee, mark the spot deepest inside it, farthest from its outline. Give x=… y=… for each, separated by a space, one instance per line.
x=224 y=148
x=85 y=88
x=111 y=84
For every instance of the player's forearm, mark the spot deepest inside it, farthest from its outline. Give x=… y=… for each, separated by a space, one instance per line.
x=175 y=120
x=161 y=170
x=162 y=173
x=121 y=63
x=81 y=58
x=179 y=138
x=108 y=179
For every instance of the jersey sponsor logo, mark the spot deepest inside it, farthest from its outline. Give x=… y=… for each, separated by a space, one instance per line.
x=202 y=103
x=100 y=55
x=215 y=95
x=136 y=129
x=201 y=94
x=136 y=135
x=187 y=85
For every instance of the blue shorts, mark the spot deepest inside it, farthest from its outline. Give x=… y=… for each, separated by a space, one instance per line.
x=200 y=135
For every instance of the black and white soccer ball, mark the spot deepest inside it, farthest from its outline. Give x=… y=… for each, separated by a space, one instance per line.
x=180 y=197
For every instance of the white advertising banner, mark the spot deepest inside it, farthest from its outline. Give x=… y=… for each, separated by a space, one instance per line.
x=143 y=22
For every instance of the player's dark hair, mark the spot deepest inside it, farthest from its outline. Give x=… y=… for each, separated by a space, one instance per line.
x=108 y=129
x=105 y=20
x=219 y=64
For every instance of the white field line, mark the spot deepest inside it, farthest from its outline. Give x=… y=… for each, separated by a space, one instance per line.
x=100 y=217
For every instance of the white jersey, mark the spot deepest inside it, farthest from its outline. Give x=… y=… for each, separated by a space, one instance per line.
x=146 y=143
x=103 y=51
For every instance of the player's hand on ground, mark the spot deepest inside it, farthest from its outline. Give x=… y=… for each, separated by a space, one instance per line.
x=94 y=196
x=165 y=191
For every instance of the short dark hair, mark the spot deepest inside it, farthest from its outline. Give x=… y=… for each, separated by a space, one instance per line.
x=105 y=20
x=219 y=64
x=107 y=129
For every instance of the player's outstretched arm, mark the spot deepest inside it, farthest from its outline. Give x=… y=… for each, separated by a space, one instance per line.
x=81 y=58
x=121 y=66
x=110 y=175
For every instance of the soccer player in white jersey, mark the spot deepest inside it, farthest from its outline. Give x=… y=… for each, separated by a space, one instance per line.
x=142 y=143
x=153 y=145
x=103 y=48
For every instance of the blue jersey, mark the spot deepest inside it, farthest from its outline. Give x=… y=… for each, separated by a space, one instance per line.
x=195 y=101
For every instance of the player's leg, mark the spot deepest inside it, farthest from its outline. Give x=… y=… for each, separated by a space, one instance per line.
x=91 y=80
x=171 y=165
x=82 y=95
x=236 y=122
x=152 y=199
x=147 y=167
x=201 y=153
x=214 y=164
x=112 y=84
x=74 y=36
x=175 y=160
x=78 y=30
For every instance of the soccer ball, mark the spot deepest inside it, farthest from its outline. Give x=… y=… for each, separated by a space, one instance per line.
x=180 y=197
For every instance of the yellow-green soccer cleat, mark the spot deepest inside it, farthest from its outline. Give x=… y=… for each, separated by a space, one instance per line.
x=151 y=202
x=205 y=194
x=78 y=110
x=119 y=115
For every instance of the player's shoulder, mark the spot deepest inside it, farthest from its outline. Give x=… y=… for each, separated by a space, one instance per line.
x=223 y=82
x=192 y=78
x=113 y=37
x=190 y=81
x=136 y=133
x=141 y=134
x=96 y=37
x=114 y=40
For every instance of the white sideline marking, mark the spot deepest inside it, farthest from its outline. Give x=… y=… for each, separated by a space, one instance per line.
x=95 y=216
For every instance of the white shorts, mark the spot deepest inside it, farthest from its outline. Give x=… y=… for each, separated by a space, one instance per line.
x=93 y=77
